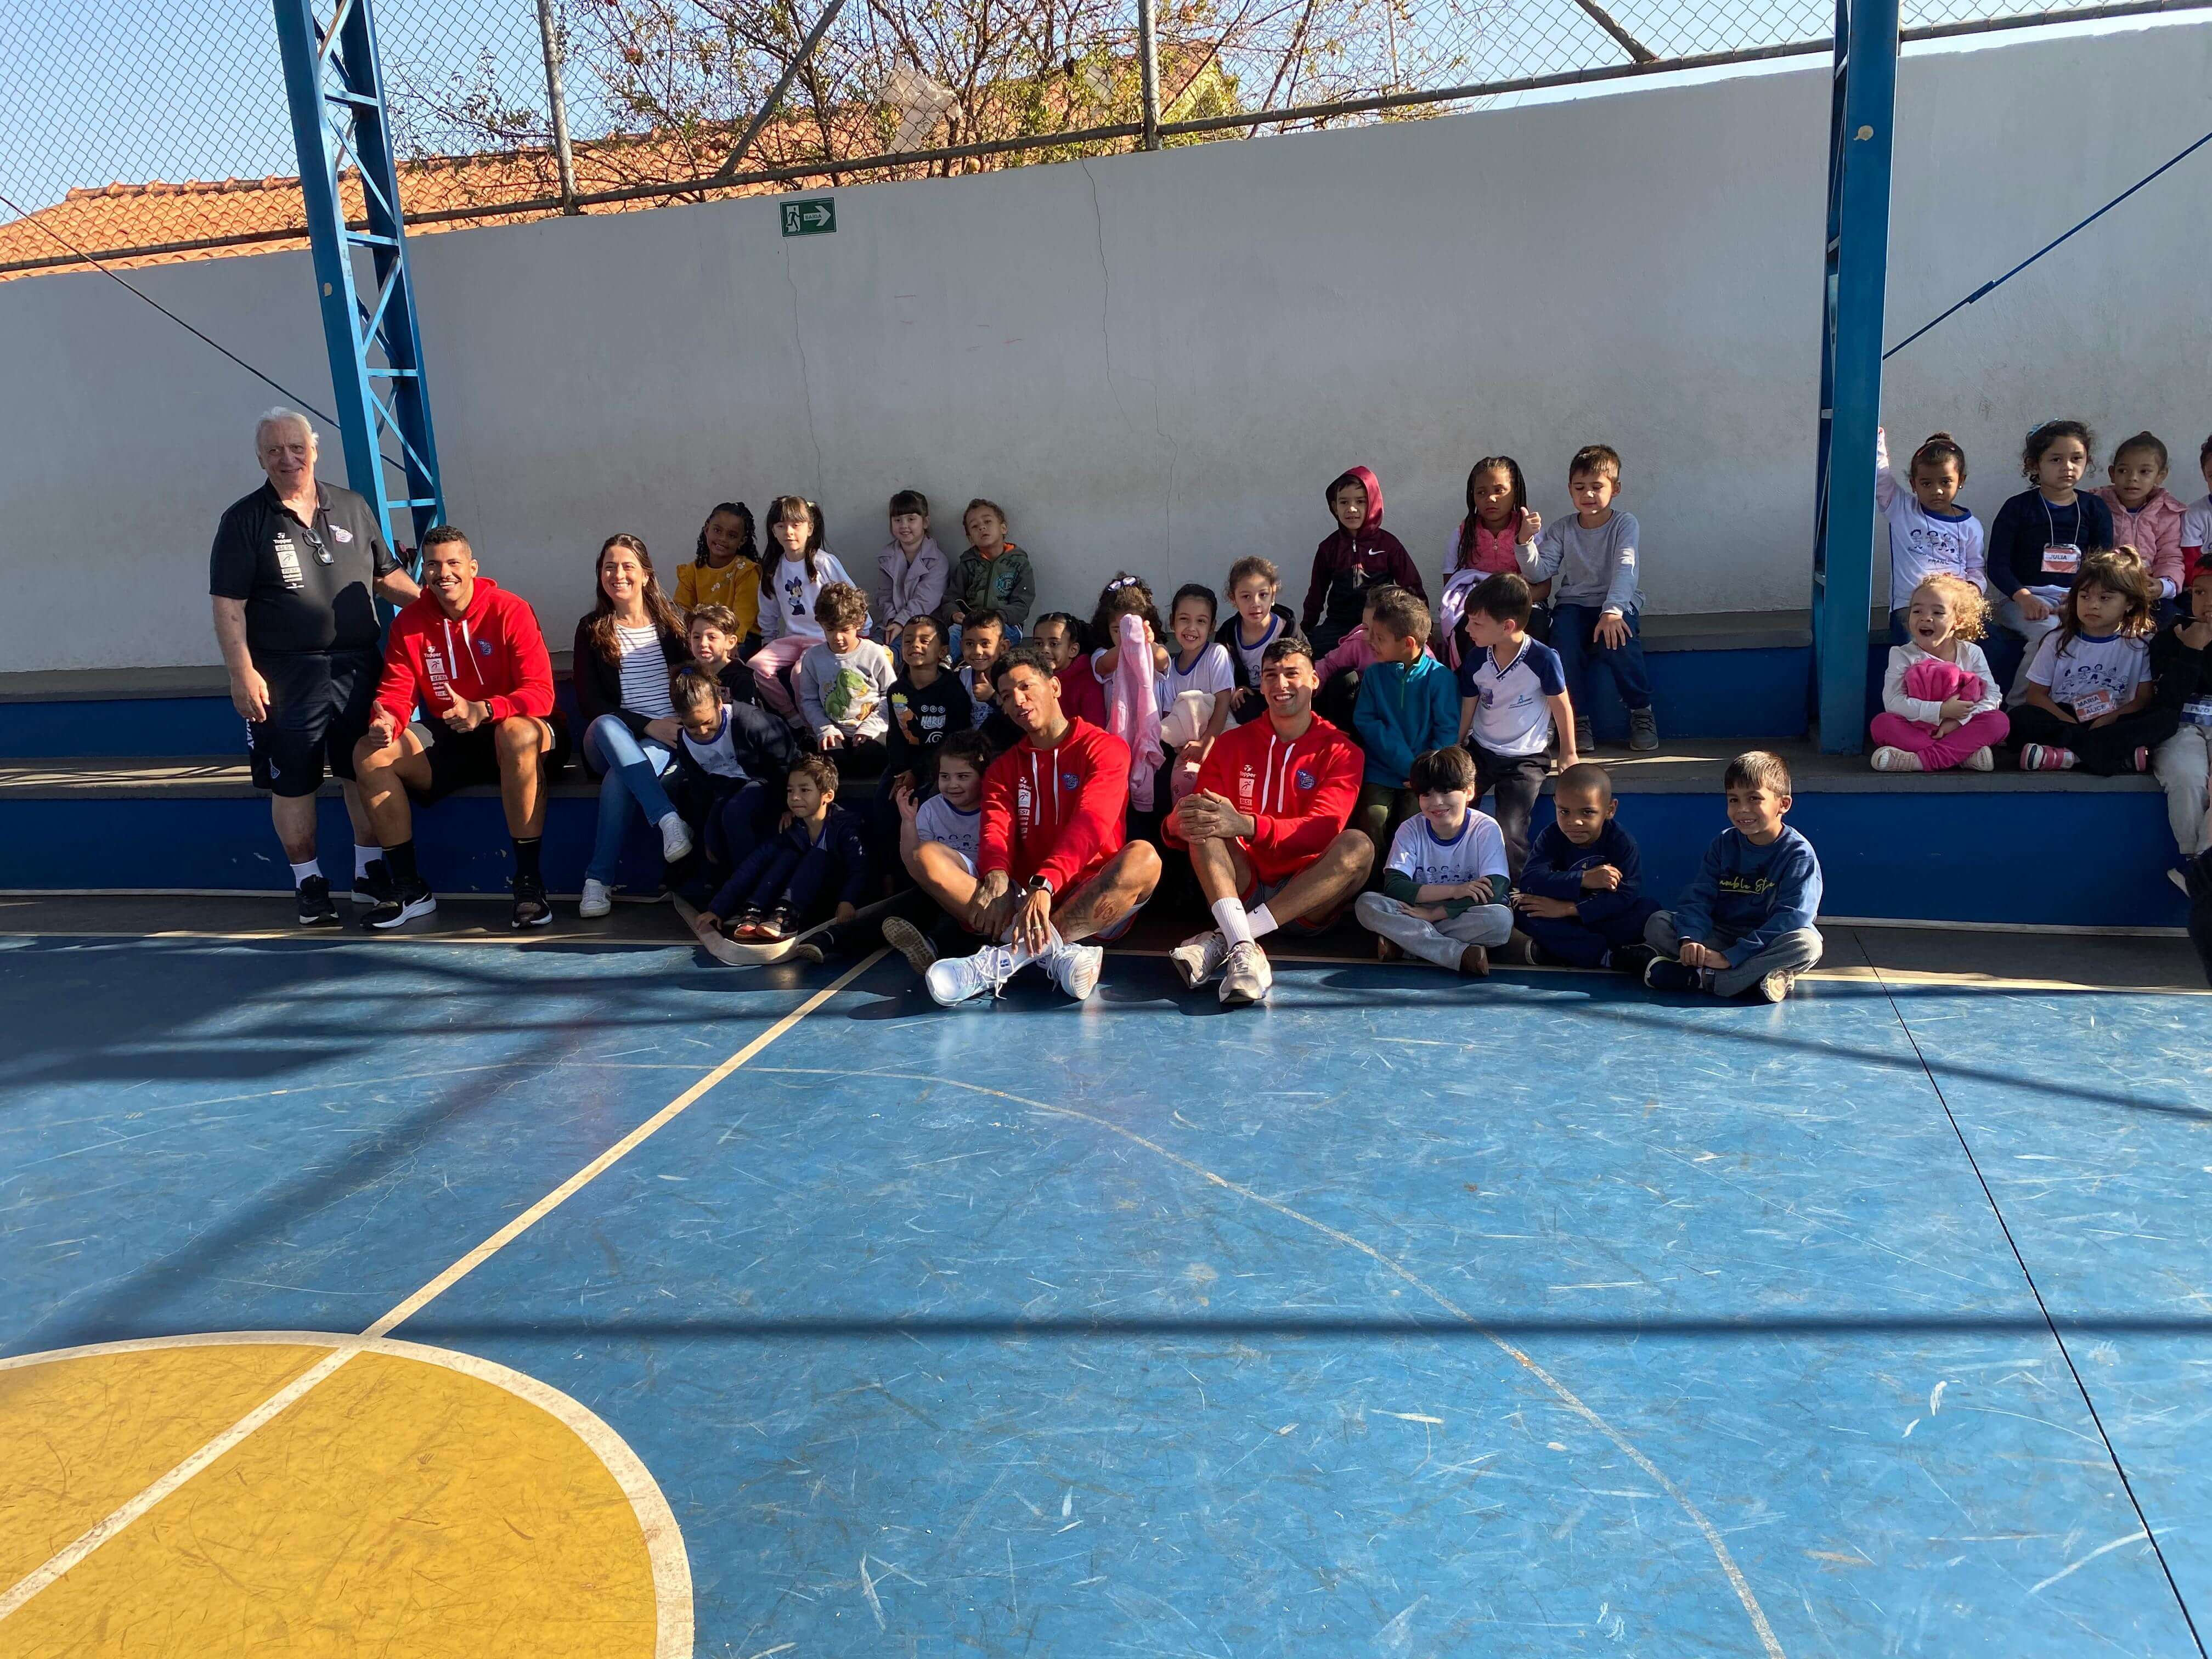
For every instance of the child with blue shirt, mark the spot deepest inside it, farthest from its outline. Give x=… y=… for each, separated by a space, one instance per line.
x=1512 y=694
x=1408 y=705
x=1746 y=923
x=1579 y=900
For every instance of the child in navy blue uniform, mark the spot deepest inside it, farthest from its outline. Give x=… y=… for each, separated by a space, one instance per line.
x=1512 y=696
x=1580 y=899
x=1746 y=922
x=794 y=877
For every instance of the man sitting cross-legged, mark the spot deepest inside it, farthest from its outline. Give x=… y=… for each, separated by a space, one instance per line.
x=1264 y=827
x=1053 y=865
x=472 y=656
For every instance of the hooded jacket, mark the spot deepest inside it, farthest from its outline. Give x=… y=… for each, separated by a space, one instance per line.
x=2154 y=531
x=1299 y=792
x=1370 y=548
x=1056 y=813
x=1404 y=709
x=495 y=653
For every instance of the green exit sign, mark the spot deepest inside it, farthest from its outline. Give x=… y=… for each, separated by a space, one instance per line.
x=816 y=218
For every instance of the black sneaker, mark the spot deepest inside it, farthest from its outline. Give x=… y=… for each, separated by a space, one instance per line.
x=316 y=909
x=1633 y=959
x=532 y=908
x=373 y=884
x=401 y=905
x=1665 y=973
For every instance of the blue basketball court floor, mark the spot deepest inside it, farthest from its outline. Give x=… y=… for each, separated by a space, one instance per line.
x=582 y=1297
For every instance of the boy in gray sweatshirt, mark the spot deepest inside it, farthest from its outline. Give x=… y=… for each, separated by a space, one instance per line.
x=1590 y=562
x=843 y=684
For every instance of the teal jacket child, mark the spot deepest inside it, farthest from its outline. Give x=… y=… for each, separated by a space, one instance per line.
x=1403 y=709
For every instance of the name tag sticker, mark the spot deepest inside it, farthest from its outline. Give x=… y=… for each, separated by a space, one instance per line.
x=2094 y=703
x=2062 y=558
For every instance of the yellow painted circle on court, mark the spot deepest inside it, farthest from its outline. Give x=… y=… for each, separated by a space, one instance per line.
x=412 y=1501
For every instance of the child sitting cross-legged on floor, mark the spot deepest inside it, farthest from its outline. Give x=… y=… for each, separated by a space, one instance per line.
x=1746 y=922
x=794 y=877
x=1444 y=883
x=1940 y=703
x=1580 y=901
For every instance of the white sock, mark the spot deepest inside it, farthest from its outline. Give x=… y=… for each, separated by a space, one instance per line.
x=363 y=857
x=1261 y=921
x=301 y=871
x=1229 y=915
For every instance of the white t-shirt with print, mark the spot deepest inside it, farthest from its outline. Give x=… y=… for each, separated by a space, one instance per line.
x=2092 y=675
x=1478 y=850
x=938 y=819
x=1211 y=673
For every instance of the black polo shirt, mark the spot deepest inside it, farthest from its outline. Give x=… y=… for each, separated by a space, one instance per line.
x=305 y=587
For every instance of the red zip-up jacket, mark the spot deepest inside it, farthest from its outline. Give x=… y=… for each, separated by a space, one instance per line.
x=1298 y=794
x=1056 y=813
x=494 y=655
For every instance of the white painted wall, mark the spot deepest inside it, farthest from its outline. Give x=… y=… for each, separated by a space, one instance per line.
x=1158 y=362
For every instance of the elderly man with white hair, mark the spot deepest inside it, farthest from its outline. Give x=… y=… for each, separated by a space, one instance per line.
x=293 y=574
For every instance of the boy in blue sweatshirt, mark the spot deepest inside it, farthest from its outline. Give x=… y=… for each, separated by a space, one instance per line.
x=1580 y=901
x=793 y=878
x=1746 y=923
x=1408 y=705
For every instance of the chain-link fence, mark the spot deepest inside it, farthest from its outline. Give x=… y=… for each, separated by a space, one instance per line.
x=158 y=129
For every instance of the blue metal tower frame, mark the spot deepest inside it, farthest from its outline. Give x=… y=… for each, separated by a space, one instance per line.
x=1862 y=118
x=335 y=84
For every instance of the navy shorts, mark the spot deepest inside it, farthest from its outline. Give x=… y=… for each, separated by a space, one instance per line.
x=319 y=702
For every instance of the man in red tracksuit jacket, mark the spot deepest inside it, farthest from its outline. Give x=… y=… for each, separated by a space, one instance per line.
x=1266 y=829
x=473 y=657
x=1052 y=865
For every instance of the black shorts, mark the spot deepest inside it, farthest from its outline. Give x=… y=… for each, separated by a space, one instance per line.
x=319 y=703
x=461 y=759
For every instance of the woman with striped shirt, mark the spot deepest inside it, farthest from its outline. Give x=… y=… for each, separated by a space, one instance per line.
x=626 y=650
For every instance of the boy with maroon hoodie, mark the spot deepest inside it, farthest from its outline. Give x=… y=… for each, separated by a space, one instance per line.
x=1265 y=828
x=1053 y=865
x=472 y=656
x=1356 y=554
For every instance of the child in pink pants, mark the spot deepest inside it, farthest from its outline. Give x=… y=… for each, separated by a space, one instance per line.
x=1940 y=703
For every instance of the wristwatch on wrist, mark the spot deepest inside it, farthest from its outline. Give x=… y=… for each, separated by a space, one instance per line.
x=1038 y=884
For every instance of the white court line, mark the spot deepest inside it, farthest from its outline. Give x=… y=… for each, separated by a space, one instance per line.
x=1769 y=1643
x=72 y=1553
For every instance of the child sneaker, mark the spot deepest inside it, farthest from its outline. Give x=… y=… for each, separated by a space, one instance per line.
x=1585 y=738
x=776 y=924
x=2047 y=757
x=1665 y=973
x=746 y=926
x=1774 y=987
x=1642 y=730
x=1982 y=760
x=903 y=937
x=1200 y=957
x=1632 y=959
x=1886 y=759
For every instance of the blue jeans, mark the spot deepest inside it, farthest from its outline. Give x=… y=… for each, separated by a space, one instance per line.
x=634 y=766
x=1574 y=637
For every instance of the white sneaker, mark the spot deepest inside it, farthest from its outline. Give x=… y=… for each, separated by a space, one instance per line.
x=1775 y=987
x=1246 y=978
x=1199 y=957
x=597 y=900
x=952 y=981
x=1981 y=761
x=675 y=839
x=1886 y=759
x=1074 y=968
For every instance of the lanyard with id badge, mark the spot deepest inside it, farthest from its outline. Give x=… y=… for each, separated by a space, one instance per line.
x=2060 y=558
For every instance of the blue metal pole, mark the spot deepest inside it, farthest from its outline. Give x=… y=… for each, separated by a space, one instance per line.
x=1863 y=119
x=335 y=86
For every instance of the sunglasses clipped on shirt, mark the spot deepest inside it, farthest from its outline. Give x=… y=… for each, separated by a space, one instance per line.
x=322 y=549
